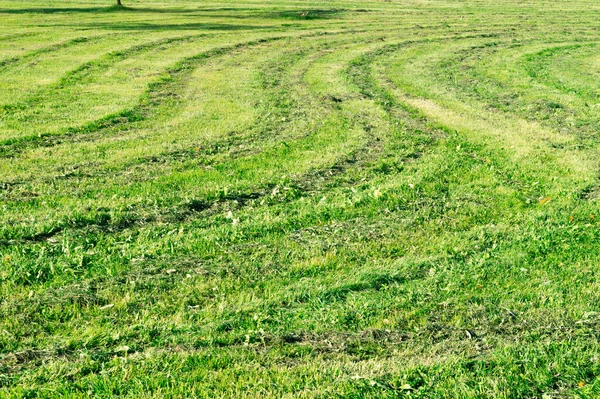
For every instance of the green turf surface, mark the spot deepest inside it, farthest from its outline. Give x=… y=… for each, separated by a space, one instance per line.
x=277 y=199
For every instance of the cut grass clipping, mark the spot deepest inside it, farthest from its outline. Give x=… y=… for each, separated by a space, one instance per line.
x=372 y=199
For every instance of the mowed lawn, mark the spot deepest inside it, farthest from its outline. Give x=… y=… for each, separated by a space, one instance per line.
x=300 y=199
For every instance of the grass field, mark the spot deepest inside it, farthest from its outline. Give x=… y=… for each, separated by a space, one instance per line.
x=278 y=198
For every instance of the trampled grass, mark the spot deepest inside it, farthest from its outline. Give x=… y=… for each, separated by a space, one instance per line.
x=267 y=199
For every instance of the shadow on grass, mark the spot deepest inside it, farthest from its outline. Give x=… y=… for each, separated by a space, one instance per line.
x=93 y=10
x=219 y=12
x=295 y=14
x=145 y=26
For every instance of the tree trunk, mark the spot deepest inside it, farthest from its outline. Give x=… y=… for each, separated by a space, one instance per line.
x=119 y=3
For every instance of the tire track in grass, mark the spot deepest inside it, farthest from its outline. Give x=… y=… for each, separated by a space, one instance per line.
x=39 y=76
x=256 y=196
x=12 y=147
x=387 y=91
x=354 y=159
x=154 y=95
x=75 y=79
x=268 y=124
x=558 y=144
x=180 y=70
x=508 y=177
x=546 y=108
x=555 y=105
x=267 y=131
x=266 y=127
x=87 y=70
x=211 y=338
x=310 y=184
x=32 y=55
x=120 y=124
x=328 y=342
x=179 y=154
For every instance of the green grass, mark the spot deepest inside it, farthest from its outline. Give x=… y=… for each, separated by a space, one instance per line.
x=270 y=199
